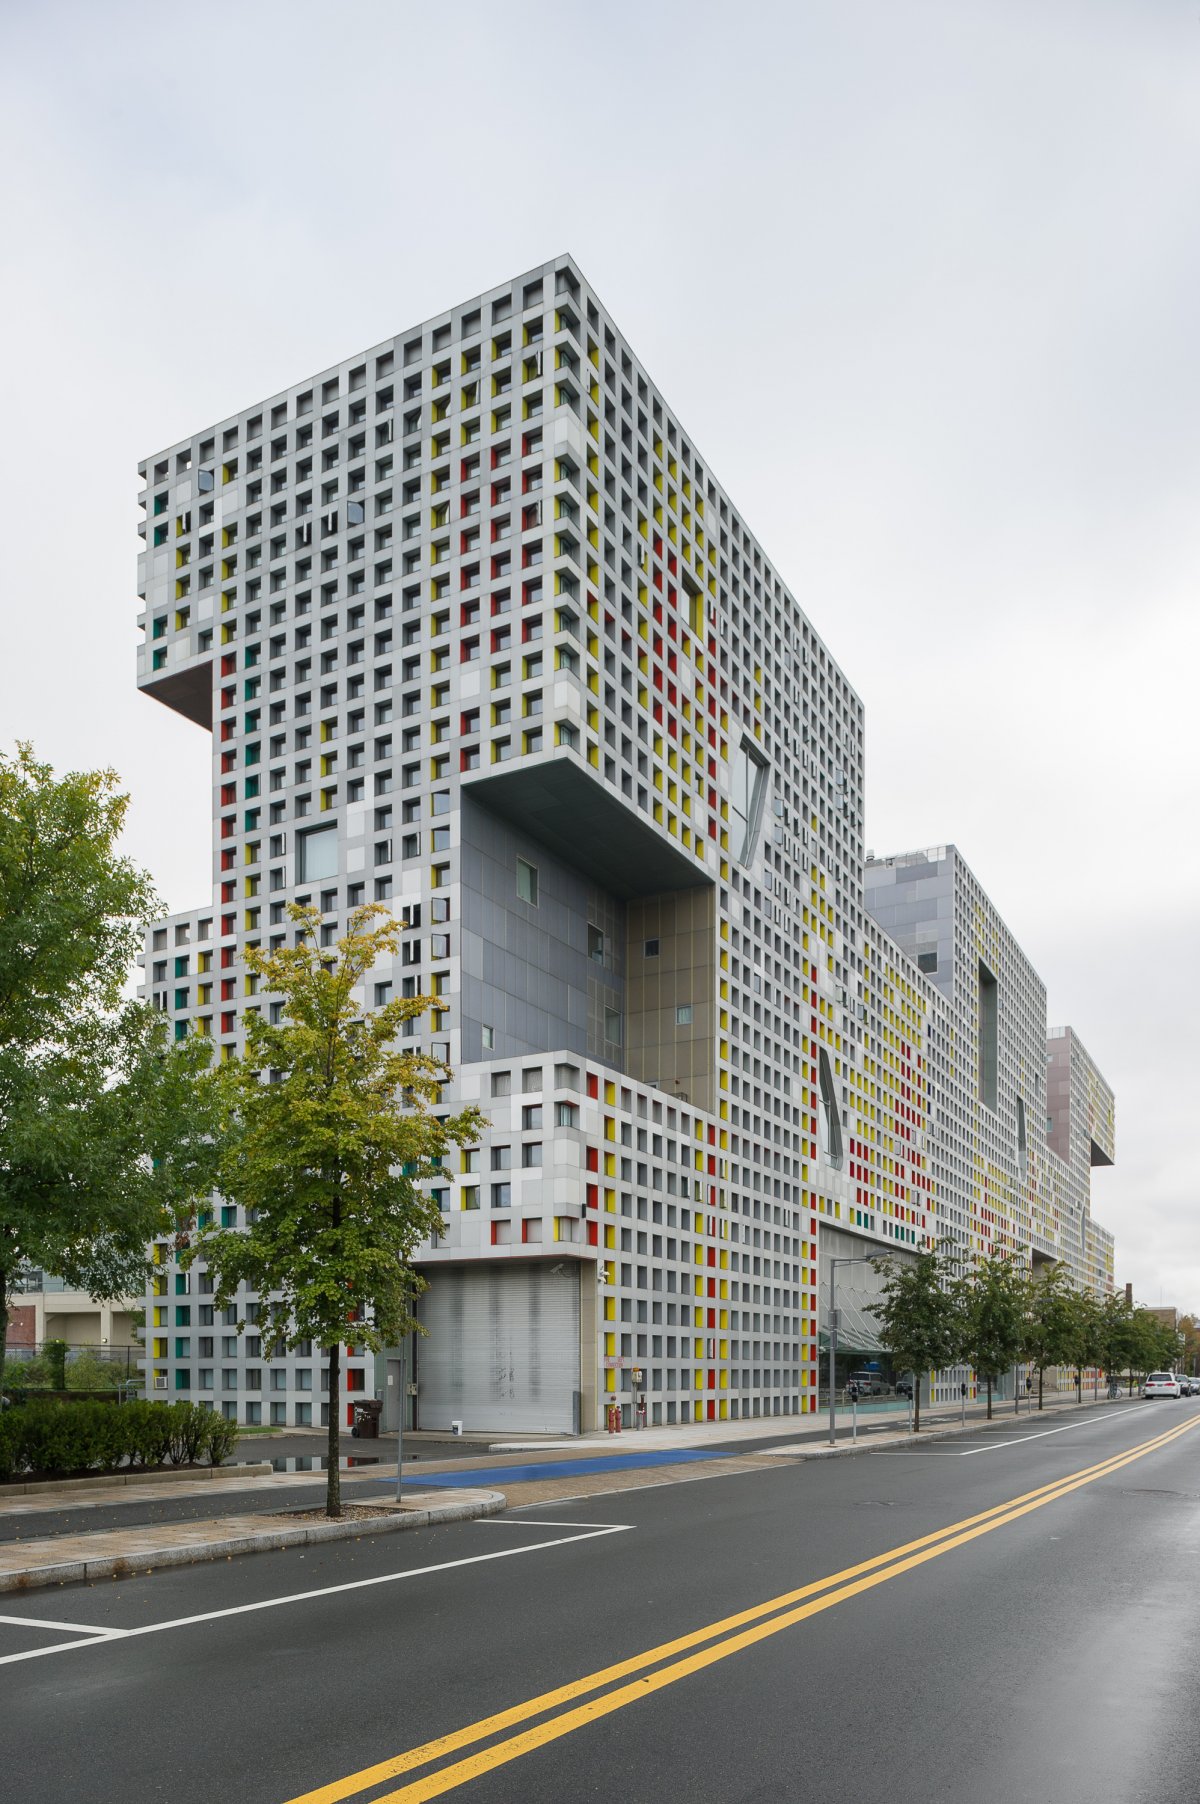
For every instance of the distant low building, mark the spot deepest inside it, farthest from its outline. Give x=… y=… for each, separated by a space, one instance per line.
x=50 y=1309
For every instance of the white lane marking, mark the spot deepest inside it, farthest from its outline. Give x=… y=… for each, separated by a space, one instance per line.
x=899 y=1453
x=540 y=1522
x=300 y=1597
x=988 y=1446
x=1018 y=1440
x=72 y=1628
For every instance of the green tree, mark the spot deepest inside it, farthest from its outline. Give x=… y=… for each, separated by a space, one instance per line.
x=920 y=1315
x=1153 y=1345
x=1089 y=1338
x=328 y=1130
x=994 y=1301
x=1117 y=1336
x=102 y=1137
x=1051 y=1322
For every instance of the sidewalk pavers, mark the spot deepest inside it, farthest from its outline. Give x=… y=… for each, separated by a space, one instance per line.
x=128 y=1552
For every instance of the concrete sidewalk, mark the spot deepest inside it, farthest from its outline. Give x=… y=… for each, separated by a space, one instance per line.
x=130 y=1552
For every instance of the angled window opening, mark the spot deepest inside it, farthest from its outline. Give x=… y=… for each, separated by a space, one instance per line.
x=746 y=801
x=829 y=1136
x=989 y=1039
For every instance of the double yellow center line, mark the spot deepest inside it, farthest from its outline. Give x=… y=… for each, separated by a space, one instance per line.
x=729 y=1636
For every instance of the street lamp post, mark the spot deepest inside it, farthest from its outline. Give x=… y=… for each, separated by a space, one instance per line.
x=833 y=1334
x=400 y=1423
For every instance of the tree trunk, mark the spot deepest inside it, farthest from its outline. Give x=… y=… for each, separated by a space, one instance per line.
x=333 y=1476
x=989 y=1414
x=1079 y=1384
x=916 y=1403
x=1041 y=1386
x=3 y=1321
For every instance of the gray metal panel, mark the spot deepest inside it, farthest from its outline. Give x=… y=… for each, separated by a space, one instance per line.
x=502 y=1350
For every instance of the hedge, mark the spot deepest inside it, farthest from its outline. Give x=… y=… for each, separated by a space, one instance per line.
x=50 y=1439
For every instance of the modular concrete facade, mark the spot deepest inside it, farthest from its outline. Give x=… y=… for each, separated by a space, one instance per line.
x=479 y=637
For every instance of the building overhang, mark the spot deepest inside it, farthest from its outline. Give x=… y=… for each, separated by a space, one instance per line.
x=559 y=802
x=188 y=692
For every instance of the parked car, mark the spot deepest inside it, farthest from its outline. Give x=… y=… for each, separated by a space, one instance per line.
x=869 y=1384
x=1188 y=1387
x=904 y=1387
x=1161 y=1384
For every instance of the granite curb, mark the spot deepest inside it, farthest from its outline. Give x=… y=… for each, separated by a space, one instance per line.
x=151 y=1557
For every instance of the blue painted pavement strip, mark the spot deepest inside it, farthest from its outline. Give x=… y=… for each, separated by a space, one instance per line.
x=571 y=1468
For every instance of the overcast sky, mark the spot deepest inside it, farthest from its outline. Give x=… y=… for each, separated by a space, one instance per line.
x=922 y=280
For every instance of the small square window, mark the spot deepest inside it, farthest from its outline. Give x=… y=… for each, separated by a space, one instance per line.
x=612 y=1026
x=683 y=1014
x=527 y=882
x=596 y=944
x=650 y=949
x=489 y=1037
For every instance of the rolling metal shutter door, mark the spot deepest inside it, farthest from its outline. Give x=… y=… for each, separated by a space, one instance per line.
x=502 y=1349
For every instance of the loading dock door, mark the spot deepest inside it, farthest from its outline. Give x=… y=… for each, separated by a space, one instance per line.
x=502 y=1347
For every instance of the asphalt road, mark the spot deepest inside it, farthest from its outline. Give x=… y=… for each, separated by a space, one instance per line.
x=1009 y=1619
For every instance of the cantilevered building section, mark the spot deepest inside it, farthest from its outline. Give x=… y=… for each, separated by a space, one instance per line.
x=479 y=637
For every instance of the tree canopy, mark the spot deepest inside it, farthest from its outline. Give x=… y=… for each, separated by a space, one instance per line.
x=102 y=1135
x=328 y=1130
x=920 y=1314
x=994 y=1301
